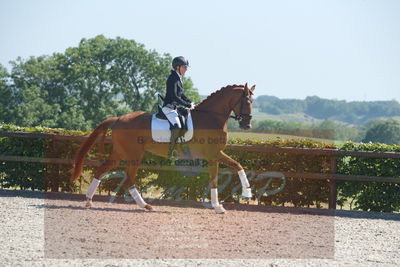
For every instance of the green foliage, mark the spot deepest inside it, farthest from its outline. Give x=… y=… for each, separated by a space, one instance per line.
x=279 y=125
x=35 y=110
x=190 y=91
x=192 y=184
x=41 y=176
x=6 y=96
x=369 y=196
x=81 y=87
x=274 y=105
x=177 y=185
x=299 y=192
x=354 y=112
x=387 y=132
x=328 y=128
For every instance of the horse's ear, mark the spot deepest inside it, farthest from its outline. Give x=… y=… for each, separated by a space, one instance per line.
x=246 y=89
x=253 y=88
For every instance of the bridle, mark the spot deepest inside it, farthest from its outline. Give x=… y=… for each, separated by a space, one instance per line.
x=241 y=114
x=238 y=117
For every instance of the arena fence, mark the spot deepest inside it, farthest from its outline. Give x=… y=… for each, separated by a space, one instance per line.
x=331 y=177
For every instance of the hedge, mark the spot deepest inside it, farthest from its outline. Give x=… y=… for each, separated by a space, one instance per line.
x=299 y=192
x=369 y=196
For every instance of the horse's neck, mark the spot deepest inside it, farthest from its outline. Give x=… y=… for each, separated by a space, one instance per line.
x=218 y=108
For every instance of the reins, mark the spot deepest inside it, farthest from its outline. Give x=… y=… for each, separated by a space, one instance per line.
x=235 y=117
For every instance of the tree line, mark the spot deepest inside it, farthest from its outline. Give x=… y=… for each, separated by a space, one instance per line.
x=353 y=112
x=79 y=88
x=103 y=77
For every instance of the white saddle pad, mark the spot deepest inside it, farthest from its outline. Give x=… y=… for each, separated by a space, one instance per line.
x=160 y=131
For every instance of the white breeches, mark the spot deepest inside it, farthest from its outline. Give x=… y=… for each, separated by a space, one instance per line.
x=172 y=115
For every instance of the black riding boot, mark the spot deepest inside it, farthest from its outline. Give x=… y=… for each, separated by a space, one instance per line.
x=175 y=133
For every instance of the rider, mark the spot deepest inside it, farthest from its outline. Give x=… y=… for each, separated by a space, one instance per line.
x=175 y=97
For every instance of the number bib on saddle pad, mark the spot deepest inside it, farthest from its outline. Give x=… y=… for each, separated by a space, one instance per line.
x=160 y=131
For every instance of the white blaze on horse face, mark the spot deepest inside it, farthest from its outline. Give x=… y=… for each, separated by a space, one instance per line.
x=92 y=188
x=137 y=197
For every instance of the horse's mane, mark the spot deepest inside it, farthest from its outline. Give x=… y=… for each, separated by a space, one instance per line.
x=218 y=92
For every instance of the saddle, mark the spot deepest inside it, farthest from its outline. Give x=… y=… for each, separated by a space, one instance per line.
x=182 y=115
x=161 y=127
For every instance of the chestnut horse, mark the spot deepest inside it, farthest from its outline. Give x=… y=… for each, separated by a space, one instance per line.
x=209 y=119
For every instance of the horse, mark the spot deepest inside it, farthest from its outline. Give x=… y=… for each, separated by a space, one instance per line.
x=209 y=119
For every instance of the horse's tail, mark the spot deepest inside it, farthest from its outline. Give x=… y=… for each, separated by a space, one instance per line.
x=101 y=131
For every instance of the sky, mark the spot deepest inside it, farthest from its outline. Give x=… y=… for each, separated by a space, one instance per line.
x=342 y=49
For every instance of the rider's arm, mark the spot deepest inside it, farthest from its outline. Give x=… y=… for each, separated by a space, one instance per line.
x=180 y=100
x=184 y=97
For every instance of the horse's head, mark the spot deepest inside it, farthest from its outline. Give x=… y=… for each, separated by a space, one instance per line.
x=243 y=108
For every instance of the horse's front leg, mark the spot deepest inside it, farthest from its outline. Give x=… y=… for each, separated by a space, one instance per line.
x=213 y=172
x=228 y=161
x=130 y=185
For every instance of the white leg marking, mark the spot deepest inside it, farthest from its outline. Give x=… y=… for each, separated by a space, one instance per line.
x=219 y=209
x=246 y=190
x=137 y=197
x=92 y=188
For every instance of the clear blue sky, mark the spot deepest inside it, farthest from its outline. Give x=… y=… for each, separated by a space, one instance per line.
x=343 y=49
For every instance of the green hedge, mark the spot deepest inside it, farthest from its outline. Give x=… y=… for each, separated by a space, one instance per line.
x=299 y=192
x=369 y=196
x=40 y=176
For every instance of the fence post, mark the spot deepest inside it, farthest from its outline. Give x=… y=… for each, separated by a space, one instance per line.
x=332 y=183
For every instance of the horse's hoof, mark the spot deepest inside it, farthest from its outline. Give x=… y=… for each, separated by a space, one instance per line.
x=148 y=207
x=219 y=209
x=88 y=204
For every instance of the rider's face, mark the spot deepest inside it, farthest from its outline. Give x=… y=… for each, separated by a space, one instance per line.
x=182 y=69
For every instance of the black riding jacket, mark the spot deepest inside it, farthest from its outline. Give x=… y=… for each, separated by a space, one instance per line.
x=175 y=95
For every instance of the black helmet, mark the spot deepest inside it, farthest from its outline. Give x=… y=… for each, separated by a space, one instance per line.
x=179 y=61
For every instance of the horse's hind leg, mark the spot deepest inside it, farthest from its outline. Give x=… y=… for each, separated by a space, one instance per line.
x=213 y=172
x=107 y=166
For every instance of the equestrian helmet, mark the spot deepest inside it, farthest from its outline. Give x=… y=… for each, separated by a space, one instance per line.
x=179 y=61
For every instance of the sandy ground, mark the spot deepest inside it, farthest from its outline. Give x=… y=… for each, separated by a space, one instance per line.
x=56 y=230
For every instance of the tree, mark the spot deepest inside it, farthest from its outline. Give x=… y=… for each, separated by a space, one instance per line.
x=38 y=91
x=6 y=96
x=83 y=86
x=190 y=91
x=387 y=132
x=354 y=112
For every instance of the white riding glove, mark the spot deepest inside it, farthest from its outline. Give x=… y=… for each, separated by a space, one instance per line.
x=192 y=105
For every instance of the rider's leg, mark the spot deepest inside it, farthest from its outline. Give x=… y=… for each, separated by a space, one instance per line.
x=172 y=116
x=175 y=133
